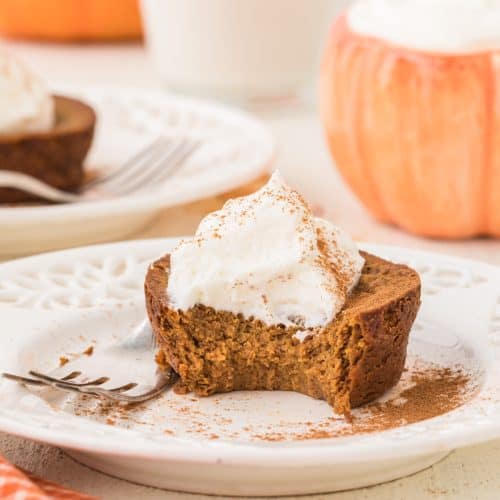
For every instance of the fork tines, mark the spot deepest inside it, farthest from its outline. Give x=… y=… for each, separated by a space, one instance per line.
x=93 y=387
x=148 y=168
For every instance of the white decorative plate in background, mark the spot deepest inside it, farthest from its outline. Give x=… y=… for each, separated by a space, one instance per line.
x=246 y=443
x=236 y=149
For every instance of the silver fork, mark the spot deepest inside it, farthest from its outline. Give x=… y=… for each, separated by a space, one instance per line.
x=92 y=388
x=138 y=346
x=149 y=167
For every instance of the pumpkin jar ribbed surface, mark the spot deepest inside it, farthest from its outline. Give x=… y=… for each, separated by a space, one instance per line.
x=416 y=135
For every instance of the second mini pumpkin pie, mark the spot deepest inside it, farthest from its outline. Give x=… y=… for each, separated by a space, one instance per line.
x=56 y=156
x=41 y=135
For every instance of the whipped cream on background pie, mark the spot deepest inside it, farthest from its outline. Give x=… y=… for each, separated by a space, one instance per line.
x=25 y=102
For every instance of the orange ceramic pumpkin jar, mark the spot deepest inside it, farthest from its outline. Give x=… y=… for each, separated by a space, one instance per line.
x=416 y=132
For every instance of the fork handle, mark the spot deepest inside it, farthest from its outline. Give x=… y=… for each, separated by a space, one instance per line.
x=29 y=184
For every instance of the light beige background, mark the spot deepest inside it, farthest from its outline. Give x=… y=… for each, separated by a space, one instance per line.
x=472 y=473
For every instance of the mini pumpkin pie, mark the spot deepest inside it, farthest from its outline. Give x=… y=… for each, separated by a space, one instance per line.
x=267 y=297
x=41 y=135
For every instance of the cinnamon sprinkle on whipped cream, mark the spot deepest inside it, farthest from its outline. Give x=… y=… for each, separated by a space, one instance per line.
x=266 y=256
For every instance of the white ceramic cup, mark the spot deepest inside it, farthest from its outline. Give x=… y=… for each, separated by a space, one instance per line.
x=237 y=48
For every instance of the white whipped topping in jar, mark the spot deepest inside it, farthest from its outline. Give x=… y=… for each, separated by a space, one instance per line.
x=25 y=104
x=443 y=26
x=266 y=256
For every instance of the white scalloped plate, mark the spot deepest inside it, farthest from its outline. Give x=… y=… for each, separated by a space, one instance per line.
x=61 y=303
x=236 y=149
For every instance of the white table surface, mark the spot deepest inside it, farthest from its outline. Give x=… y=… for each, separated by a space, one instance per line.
x=471 y=473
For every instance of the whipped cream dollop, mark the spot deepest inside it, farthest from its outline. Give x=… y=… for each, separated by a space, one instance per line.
x=266 y=256
x=25 y=103
x=444 y=26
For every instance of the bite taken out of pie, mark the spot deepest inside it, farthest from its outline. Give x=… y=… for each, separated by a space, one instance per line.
x=266 y=296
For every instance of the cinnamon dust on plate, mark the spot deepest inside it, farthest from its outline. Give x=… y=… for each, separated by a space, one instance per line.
x=433 y=391
x=63 y=360
x=425 y=391
x=89 y=351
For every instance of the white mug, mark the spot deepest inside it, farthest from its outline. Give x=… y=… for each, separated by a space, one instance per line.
x=237 y=48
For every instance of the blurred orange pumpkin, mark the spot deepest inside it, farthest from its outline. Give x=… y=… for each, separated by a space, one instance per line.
x=415 y=135
x=70 y=20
